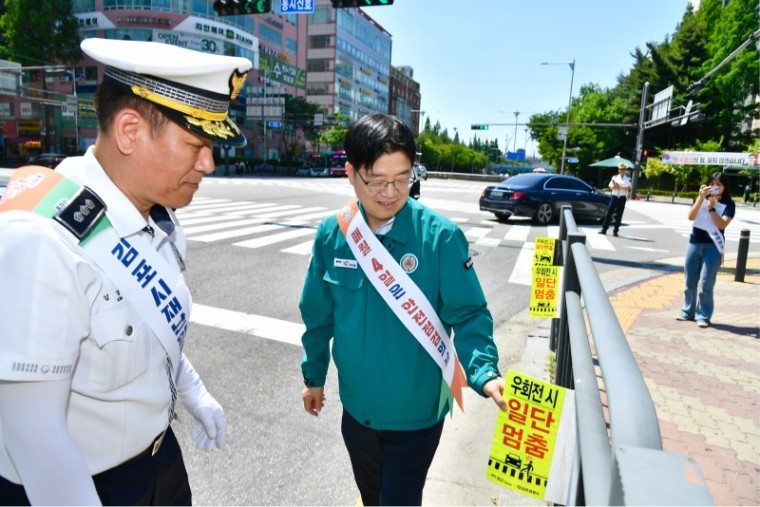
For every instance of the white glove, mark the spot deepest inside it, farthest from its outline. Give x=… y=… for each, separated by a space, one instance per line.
x=210 y=426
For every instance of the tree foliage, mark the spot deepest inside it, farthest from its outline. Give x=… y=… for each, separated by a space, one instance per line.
x=40 y=32
x=697 y=49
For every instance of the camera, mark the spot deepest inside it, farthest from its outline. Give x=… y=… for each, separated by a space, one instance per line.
x=714 y=190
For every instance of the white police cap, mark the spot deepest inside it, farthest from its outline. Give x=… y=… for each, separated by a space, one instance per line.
x=191 y=87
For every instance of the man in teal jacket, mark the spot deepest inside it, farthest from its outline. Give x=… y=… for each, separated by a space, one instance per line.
x=390 y=384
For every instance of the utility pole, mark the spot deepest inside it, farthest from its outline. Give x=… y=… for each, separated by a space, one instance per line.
x=639 y=140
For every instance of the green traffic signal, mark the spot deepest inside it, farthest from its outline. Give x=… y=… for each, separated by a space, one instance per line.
x=479 y=127
x=359 y=3
x=242 y=7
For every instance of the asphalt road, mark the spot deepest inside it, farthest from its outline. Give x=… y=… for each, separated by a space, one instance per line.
x=248 y=250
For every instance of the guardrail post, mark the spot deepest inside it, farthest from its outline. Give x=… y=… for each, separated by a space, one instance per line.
x=559 y=260
x=741 y=258
x=570 y=283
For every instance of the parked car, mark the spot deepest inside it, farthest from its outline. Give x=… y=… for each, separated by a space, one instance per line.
x=47 y=159
x=541 y=195
x=304 y=171
x=421 y=171
x=320 y=171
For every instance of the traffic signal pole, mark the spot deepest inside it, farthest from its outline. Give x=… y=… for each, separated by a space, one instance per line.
x=639 y=141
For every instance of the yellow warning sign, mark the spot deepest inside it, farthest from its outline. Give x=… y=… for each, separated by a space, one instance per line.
x=544 y=291
x=527 y=453
x=543 y=250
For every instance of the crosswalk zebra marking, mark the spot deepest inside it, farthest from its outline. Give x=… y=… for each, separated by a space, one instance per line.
x=522 y=274
x=274 y=238
x=517 y=233
x=300 y=249
x=240 y=207
x=246 y=231
x=224 y=225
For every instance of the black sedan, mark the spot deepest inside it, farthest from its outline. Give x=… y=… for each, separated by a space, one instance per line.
x=541 y=195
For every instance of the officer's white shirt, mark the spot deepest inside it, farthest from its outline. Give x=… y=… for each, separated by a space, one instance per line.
x=624 y=181
x=56 y=307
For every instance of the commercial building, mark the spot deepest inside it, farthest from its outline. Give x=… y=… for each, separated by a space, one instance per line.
x=336 y=58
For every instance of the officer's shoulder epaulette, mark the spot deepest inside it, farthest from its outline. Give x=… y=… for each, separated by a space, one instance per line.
x=81 y=213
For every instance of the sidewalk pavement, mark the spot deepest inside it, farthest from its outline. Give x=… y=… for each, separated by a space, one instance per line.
x=705 y=384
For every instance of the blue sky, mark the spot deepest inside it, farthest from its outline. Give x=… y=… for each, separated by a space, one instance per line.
x=479 y=61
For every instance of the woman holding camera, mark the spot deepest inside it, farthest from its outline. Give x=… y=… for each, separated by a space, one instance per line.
x=712 y=211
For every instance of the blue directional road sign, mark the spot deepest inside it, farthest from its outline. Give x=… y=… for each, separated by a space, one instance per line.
x=274 y=124
x=297 y=6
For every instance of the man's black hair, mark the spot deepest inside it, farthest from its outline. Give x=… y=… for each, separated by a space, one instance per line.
x=376 y=135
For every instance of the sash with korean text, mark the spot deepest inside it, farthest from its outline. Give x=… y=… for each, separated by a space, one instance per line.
x=704 y=221
x=148 y=281
x=405 y=299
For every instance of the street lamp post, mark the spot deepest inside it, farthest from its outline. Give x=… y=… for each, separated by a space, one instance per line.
x=569 y=101
x=514 y=149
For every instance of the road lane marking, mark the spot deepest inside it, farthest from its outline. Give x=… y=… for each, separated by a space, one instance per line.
x=274 y=238
x=254 y=325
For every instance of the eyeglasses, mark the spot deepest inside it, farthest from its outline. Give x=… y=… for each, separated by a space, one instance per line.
x=376 y=186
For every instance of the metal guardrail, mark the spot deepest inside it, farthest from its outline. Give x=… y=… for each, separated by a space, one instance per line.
x=621 y=456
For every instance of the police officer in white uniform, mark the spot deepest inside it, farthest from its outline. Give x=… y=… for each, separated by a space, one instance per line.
x=91 y=364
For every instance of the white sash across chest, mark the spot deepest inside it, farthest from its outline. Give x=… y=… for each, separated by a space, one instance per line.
x=405 y=299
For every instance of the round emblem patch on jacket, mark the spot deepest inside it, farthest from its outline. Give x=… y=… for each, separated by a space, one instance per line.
x=409 y=262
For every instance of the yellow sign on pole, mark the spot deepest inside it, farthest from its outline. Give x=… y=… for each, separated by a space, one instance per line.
x=545 y=279
x=533 y=450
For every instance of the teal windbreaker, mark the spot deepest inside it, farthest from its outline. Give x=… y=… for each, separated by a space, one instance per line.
x=387 y=380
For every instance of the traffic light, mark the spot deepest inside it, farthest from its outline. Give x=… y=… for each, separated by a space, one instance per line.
x=242 y=7
x=479 y=127
x=359 y=3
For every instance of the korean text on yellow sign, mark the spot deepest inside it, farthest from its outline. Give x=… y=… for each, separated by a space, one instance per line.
x=525 y=437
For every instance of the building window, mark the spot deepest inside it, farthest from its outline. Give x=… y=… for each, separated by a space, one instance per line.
x=271 y=35
x=319 y=41
x=291 y=45
x=322 y=14
x=318 y=65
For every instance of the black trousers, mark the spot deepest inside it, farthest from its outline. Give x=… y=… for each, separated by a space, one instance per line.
x=617 y=205
x=390 y=467
x=143 y=480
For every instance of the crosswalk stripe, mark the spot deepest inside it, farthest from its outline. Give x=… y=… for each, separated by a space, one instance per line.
x=300 y=212
x=488 y=241
x=595 y=240
x=517 y=233
x=209 y=205
x=300 y=249
x=236 y=233
x=203 y=220
x=522 y=273
x=476 y=232
x=269 y=209
x=274 y=238
x=225 y=225
x=196 y=210
x=239 y=207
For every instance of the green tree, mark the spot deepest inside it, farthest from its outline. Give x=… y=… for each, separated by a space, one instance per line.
x=27 y=35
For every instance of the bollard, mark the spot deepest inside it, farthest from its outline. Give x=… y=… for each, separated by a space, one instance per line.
x=741 y=257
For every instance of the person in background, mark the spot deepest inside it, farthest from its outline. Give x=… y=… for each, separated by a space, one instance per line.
x=414 y=190
x=712 y=212
x=94 y=307
x=388 y=281
x=620 y=185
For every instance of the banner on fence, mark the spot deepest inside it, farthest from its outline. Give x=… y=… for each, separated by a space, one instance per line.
x=534 y=449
